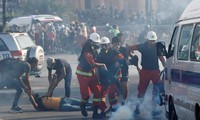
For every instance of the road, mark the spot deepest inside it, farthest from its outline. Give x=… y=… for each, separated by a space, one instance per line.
x=39 y=85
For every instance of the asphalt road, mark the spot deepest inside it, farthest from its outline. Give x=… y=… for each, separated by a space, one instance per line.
x=39 y=85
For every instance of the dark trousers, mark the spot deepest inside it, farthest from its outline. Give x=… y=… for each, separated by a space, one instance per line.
x=68 y=78
x=12 y=82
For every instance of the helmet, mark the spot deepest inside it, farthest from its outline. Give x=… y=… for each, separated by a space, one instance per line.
x=95 y=37
x=151 y=35
x=105 y=40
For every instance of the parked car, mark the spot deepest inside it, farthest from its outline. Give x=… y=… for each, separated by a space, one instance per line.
x=21 y=46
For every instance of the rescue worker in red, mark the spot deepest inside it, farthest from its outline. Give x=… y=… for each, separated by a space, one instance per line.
x=87 y=77
x=150 y=70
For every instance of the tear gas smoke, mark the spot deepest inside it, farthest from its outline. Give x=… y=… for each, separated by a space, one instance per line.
x=126 y=112
x=174 y=11
x=123 y=113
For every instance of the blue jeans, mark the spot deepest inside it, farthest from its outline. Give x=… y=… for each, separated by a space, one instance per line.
x=72 y=104
x=68 y=78
x=12 y=82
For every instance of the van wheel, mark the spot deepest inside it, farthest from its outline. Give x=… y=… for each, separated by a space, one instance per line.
x=197 y=112
x=172 y=111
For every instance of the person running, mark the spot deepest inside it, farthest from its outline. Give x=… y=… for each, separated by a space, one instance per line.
x=16 y=74
x=62 y=71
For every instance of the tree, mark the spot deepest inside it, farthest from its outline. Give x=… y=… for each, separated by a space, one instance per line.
x=56 y=7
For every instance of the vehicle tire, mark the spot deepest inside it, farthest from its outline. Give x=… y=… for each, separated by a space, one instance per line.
x=197 y=112
x=172 y=111
x=38 y=52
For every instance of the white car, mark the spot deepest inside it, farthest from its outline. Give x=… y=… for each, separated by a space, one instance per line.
x=21 y=46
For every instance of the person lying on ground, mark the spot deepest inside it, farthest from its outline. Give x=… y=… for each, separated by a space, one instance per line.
x=46 y=103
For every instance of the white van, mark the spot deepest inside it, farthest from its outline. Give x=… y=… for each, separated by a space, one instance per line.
x=30 y=21
x=182 y=80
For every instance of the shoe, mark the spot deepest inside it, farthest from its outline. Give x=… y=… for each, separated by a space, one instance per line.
x=108 y=110
x=137 y=110
x=83 y=110
x=156 y=112
x=16 y=110
x=96 y=116
x=123 y=103
x=103 y=114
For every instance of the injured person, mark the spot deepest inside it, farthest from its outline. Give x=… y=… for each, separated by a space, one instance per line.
x=58 y=104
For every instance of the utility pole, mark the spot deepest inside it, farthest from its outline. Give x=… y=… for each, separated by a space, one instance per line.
x=4 y=13
x=148 y=8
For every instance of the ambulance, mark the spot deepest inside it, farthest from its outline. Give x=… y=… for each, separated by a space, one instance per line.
x=182 y=69
x=29 y=22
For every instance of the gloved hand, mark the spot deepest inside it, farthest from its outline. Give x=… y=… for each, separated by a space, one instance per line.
x=134 y=60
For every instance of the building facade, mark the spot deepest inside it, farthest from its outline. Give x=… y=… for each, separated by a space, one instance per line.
x=130 y=6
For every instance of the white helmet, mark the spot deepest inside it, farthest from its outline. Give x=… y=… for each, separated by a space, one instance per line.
x=105 y=40
x=151 y=35
x=95 y=37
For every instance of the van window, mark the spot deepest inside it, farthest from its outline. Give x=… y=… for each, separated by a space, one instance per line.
x=172 y=43
x=184 y=42
x=195 y=46
x=3 y=47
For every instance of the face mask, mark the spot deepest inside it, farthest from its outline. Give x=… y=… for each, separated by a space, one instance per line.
x=98 y=51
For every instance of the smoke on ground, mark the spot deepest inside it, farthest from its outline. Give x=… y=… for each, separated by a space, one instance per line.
x=126 y=112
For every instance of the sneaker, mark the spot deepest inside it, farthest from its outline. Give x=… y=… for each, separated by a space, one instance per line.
x=83 y=110
x=156 y=112
x=96 y=116
x=16 y=110
x=103 y=114
x=137 y=110
x=123 y=103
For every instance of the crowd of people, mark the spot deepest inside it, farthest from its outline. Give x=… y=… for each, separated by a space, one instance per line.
x=102 y=69
x=113 y=15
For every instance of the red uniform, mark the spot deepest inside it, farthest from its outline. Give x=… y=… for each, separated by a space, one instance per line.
x=88 y=81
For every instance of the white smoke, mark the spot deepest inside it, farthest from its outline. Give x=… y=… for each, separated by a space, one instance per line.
x=122 y=113
x=126 y=112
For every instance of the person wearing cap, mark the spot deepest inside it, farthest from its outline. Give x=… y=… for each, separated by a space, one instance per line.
x=16 y=74
x=150 y=70
x=62 y=71
x=87 y=76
